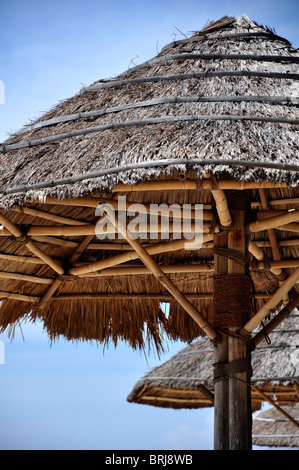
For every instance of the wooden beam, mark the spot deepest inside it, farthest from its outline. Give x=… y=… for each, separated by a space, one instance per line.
x=162 y=278
x=21 y=259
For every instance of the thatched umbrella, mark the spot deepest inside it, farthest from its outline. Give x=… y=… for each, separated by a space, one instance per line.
x=186 y=380
x=273 y=430
x=211 y=120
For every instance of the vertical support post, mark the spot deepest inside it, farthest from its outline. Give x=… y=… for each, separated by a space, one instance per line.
x=221 y=410
x=240 y=418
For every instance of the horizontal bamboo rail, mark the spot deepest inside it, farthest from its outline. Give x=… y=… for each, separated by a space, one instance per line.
x=131 y=255
x=163 y=279
x=141 y=208
x=188 y=184
x=20 y=297
x=168 y=269
x=91 y=229
x=24 y=277
x=150 y=296
x=272 y=302
x=21 y=259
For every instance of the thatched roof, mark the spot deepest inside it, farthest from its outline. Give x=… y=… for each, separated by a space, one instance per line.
x=186 y=380
x=221 y=103
x=271 y=429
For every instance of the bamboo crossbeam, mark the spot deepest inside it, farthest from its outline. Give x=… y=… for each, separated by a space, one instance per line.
x=21 y=259
x=24 y=277
x=17 y=233
x=20 y=297
x=163 y=279
x=272 y=302
x=137 y=270
x=48 y=216
x=150 y=296
x=277 y=202
x=130 y=206
x=188 y=184
x=131 y=255
x=91 y=229
x=274 y=222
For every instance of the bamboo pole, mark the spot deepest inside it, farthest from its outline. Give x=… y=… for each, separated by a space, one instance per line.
x=24 y=277
x=16 y=232
x=222 y=207
x=163 y=279
x=129 y=206
x=131 y=255
x=272 y=302
x=21 y=259
x=129 y=270
x=188 y=184
x=48 y=216
x=281 y=410
x=20 y=297
x=266 y=330
x=149 y=296
x=91 y=229
x=274 y=222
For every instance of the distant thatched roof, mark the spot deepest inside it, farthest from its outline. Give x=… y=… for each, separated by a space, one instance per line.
x=221 y=103
x=186 y=380
x=272 y=429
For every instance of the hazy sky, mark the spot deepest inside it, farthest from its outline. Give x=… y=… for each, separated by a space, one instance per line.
x=72 y=396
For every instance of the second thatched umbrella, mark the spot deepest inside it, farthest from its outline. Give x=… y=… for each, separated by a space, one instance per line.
x=186 y=380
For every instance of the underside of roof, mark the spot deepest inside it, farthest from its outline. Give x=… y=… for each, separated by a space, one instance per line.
x=216 y=111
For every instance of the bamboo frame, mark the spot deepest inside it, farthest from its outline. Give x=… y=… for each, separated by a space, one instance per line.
x=272 y=302
x=21 y=259
x=131 y=255
x=148 y=209
x=278 y=221
x=163 y=279
x=16 y=232
x=135 y=270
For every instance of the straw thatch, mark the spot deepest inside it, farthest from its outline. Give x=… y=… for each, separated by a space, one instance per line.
x=186 y=380
x=222 y=102
x=271 y=429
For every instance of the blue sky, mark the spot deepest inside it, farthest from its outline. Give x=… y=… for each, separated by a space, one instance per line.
x=72 y=396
